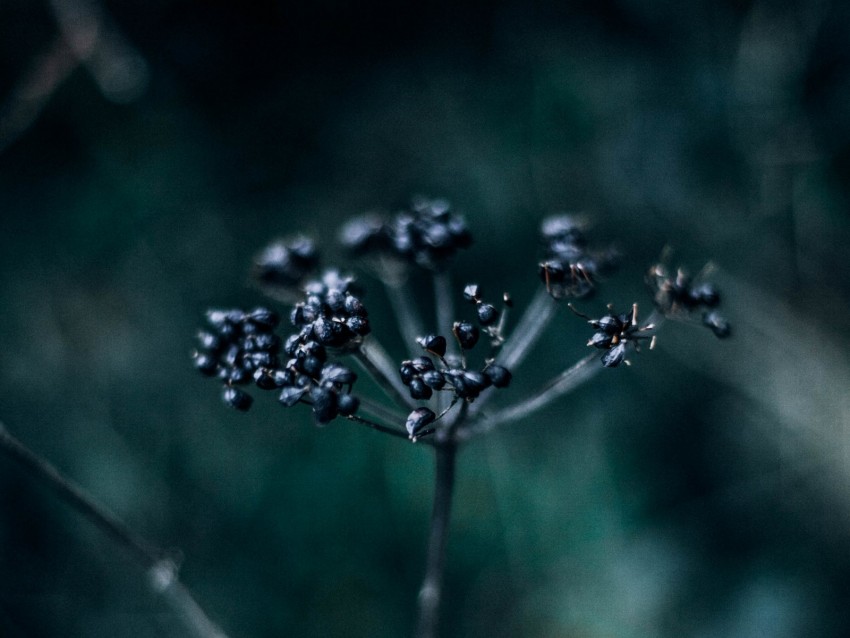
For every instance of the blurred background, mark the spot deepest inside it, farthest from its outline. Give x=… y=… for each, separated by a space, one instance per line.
x=149 y=149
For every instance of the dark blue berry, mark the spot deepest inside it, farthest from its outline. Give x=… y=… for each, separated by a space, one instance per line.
x=717 y=323
x=499 y=376
x=615 y=356
x=324 y=404
x=236 y=398
x=487 y=314
x=467 y=334
x=347 y=404
x=434 y=379
x=290 y=395
x=434 y=344
x=418 y=420
x=206 y=364
x=418 y=389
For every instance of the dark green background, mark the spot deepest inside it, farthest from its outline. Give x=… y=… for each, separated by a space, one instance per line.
x=701 y=492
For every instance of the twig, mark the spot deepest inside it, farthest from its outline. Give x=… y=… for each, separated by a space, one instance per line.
x=565 y=382
x=377 y=426
x=162 y=571
x=534 y=320
x=375 y=360
x=404 y=306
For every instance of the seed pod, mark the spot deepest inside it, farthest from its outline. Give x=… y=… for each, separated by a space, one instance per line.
x=418 y=389
x=466 y=333
x=615 y=356
x=236 y=398
x=499 y=376
x=718 y=324
x=433 y=343
x=434 y=379
x=290 y=395
x=347 y=404
x=418 y=420
x=324 y=404
x=487 y=314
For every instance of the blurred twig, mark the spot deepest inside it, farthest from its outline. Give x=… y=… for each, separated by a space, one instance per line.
x=161 y=570
x=86 y=37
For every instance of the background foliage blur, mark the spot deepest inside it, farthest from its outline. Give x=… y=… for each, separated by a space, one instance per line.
x=148 y=149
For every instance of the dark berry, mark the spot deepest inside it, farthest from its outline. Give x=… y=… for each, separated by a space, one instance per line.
x=434 y=379
x=264 y=318
x=472 y=293
x=206 y=364
x=418 y=420
x=434 y=344
x=718 y=324
x=418 y=389
x=324 y=404
x=347 y=404
x=264 y=379
x=290 y=395
x=615 y=356
x=499 y=376
x=338 y=374
x=487 y=314
x=467 y=334
x=236 y=398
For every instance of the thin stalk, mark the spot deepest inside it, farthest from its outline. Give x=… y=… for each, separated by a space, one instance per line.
x=430 y=594
x=386 y=413
x=445 y=318
x=378 y=426
x=445 y=304
x=375 y=360
x=526 y=333
x=409 y=321
x=162 y=572
x=565 y=382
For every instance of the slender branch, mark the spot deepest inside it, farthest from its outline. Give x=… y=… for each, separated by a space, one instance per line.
x=375 y=360
x=555 y=388
x=377 y=409
x=404 y=306
x=162 y=571
x=430 y=594
x=444 y=301
x=445 y=318
x=378 y=426
x=534 y=320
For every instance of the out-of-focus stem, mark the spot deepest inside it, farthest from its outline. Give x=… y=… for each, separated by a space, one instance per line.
x=526 y=333
x=162 y=572
x=375 y=360
x=565 y=382
x=405 y=308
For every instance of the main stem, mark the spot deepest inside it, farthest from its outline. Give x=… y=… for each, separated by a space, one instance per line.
x=430 y=594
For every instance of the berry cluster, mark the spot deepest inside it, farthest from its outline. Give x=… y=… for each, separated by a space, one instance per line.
x=284 y=264
x=569 y=268
x=331 y=315
x=428 y=235
x=243 y=347
x=423 y=376
x=239 y=347
x=614 y=332
x=678 y=295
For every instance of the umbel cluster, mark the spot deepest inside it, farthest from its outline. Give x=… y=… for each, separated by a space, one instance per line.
x=328 y=326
